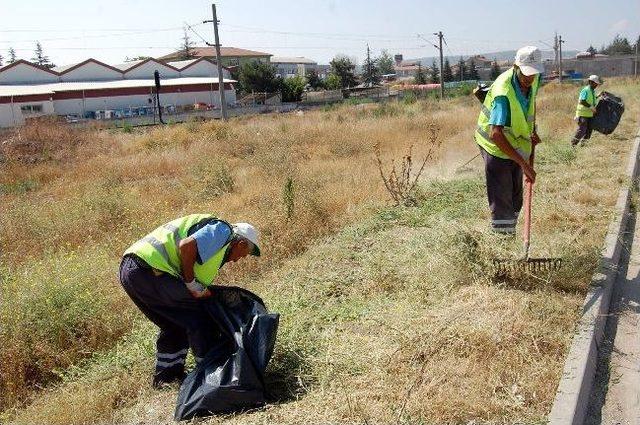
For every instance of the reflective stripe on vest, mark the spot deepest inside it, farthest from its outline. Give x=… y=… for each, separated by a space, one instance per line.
x=159 y=249
x=522 y=123
x=583 y=111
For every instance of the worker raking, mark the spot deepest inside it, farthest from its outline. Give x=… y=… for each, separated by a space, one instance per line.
x=506 y=134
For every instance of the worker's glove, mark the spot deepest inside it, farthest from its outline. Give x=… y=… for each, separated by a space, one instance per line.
x=195 y=286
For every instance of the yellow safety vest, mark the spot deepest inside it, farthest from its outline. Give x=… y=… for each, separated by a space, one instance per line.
x=159 y=249
x=583 y=111
x=522 y=122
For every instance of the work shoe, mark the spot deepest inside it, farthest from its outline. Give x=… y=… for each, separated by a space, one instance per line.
x=169 y=376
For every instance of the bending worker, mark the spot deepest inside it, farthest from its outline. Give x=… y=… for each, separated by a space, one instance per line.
x=505 y=134
x=587 y=101
x=167 y=274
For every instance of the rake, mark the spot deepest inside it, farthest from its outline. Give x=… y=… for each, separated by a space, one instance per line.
x=526 y=263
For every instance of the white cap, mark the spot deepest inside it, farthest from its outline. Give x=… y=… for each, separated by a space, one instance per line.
x=529 y=60
x=595 y=79
x=248 y=232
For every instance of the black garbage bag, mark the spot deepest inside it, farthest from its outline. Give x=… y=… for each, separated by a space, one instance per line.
x=609 y=110
x=231 y=376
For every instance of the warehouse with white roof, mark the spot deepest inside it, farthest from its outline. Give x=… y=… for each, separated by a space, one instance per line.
x=93 y=89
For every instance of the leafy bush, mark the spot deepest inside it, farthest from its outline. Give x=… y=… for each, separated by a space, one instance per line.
x=333 y=82
x=292 y=89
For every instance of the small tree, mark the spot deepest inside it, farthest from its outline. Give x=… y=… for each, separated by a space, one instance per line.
x=462 y=69
x=259 y=77
x=473 y=70
x=447 y=75
x=371 y=74
x=40 y=58
x=344 y=68
x=314 y=80
x=420 y=77
x=591 y=50
x=186 y=49
x=495 y=69
x=434 y=73
x=333 y=82
x=385 y=63
x=292 y=88
x=12 y=55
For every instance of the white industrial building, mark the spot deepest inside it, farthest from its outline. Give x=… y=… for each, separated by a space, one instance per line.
x=93 y=89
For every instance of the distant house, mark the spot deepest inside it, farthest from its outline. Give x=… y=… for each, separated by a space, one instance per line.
x=479 y=61
x=288 y=67
x=405 y=68
x=231 y=57
x=323 y=71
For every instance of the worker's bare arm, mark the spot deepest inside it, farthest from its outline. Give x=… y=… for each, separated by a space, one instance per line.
x=188 y=249
x=498 y=137
x=188 y=254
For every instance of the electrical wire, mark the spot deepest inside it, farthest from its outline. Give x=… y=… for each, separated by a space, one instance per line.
x=83 y=37
x=334 y=36
x=199 y=36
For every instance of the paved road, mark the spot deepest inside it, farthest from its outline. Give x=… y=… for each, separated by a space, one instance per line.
x=615 y=397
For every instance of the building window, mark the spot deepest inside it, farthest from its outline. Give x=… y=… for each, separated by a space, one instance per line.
x=31 y=109
x=234 y=62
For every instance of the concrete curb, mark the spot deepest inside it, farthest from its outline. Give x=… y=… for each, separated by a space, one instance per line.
x=572 y=397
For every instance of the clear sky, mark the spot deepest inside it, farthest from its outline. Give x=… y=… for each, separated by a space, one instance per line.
x=110 y=30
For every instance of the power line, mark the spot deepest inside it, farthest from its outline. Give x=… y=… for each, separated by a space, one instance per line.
x=101 y=48
x=318 y=34
x=194 y=31
x=83 y=37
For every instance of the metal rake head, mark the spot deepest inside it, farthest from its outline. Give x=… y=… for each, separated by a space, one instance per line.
x=530 y=265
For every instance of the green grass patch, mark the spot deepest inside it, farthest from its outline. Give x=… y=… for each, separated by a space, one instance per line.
x=18 y=188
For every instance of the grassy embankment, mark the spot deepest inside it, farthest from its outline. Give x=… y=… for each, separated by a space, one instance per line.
x=391 y=318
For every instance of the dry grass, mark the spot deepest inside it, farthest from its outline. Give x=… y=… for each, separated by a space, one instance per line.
x=91 y=204
x=392 y=320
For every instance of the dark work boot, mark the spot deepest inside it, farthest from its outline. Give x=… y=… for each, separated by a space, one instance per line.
x=169 y=375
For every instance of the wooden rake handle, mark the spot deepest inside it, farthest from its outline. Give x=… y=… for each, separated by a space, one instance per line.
x=528 y=194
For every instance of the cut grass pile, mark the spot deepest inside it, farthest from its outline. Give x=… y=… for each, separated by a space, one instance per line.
x=394 y=318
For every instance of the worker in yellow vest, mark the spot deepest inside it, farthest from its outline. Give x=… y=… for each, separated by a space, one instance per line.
x=586 y=110
x=169 y=272
x=506 y=132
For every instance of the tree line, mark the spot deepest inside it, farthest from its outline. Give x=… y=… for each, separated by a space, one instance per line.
x=39 y=58
x=618 y=46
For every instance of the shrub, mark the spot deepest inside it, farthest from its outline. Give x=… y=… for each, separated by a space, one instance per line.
x=292 y=89
x=399 y=182
x=409 y=97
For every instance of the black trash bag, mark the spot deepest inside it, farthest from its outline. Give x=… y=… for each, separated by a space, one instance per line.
x=231 y=376
x=609 y=110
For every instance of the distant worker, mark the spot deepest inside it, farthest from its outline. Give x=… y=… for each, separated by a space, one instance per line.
x=586 y=110
x=506 y=132
x=168 y=273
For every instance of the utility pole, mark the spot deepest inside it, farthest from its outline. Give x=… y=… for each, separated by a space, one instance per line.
x=560 y=41
x=555 y=52
x=223 y=103
x=368 y=66
x=439 y=47
x=635 y=64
